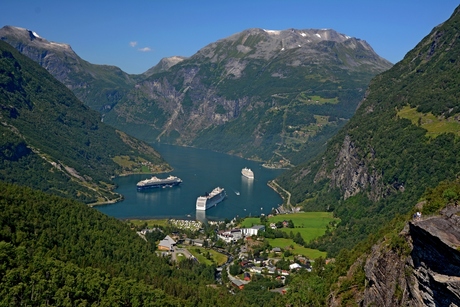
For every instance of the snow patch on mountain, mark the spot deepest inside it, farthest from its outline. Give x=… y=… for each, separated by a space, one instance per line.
x=274 y=32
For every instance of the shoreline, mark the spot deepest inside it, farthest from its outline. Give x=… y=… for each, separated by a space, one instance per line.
x=120 y=196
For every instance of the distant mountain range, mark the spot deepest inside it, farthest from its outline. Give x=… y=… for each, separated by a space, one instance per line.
x=99 y=86
x=51 y=141
x=261 y=94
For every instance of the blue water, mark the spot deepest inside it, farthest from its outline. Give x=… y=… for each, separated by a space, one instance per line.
x=201 y=171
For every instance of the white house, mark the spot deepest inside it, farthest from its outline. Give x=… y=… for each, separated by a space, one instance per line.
x=254 y=230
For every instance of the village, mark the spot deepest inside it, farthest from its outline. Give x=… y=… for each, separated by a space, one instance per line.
x=240 y=254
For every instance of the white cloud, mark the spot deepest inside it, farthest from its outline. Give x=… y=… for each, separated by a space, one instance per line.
x=145 y=49
x=133 y=44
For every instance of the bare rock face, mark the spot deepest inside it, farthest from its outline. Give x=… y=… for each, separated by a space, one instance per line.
x=352 y=174
x=428 y=276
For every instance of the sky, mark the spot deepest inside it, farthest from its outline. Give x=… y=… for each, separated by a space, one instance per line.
x=135 y=35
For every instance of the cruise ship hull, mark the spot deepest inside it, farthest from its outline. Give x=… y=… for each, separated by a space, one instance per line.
x=205 y=202
x=248 y=173
x=157 y=185
x=155 y=182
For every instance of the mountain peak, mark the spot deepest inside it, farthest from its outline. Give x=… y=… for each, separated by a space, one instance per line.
x=310 y=45
x=29 y=37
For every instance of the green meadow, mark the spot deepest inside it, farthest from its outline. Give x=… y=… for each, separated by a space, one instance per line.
x=433 y=124
x=296 y=249
x=310 y=225
x=199 y=253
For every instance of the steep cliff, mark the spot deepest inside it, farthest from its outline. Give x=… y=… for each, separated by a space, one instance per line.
x=425 y=273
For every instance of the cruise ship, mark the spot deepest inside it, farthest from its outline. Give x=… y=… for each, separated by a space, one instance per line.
x=246 y=172
x=156 y=182
x=212 y=199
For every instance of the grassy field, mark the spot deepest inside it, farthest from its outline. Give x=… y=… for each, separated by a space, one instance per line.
x=434 y=125
x=199 y=252
x=310 y=225
x=297 y=249
x=317 y=99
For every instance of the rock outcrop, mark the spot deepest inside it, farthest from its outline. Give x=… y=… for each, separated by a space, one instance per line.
x=428 y=276
x=353 y=173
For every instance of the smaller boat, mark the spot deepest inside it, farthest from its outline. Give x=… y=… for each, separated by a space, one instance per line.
x=237 y=193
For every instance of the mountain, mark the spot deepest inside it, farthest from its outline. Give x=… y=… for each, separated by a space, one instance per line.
x=51 y=141
x=275 y=95
x=164 y=65
x=99 y=86
x=398 y=155
x=402 y=140
x=259 y=94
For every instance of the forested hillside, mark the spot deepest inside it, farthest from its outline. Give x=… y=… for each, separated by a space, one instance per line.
x=402 y=140
x=53 y=142
x=55 y=251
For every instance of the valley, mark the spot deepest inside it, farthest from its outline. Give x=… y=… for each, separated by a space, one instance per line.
x=363 y=153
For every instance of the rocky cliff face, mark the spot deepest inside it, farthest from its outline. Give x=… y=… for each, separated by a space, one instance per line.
x=254 y=93
x=352 y=173
x=427 y=274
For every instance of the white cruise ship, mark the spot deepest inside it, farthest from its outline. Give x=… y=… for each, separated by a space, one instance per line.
x=155 y=182
x=246 y=172
x=209 y=200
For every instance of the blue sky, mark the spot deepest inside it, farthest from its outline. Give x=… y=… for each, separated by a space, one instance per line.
x=135 y=35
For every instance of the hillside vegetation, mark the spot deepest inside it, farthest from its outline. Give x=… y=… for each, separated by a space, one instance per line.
x=379 y=165
x=53 y=142
x=99 y=86
x=55 y=251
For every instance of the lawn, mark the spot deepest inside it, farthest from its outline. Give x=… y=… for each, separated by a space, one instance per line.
x=433 y=124
x=198 y=253
x=310 y=225
x=298 y=249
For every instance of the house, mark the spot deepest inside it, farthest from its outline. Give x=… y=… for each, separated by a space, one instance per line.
x=256 y=270
x=276 y=250
x=226 y=236
x=166 y=244
x=236 y=233
x=238 y=283
x=294 y=266
x=198 y=242
x=253 y=231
